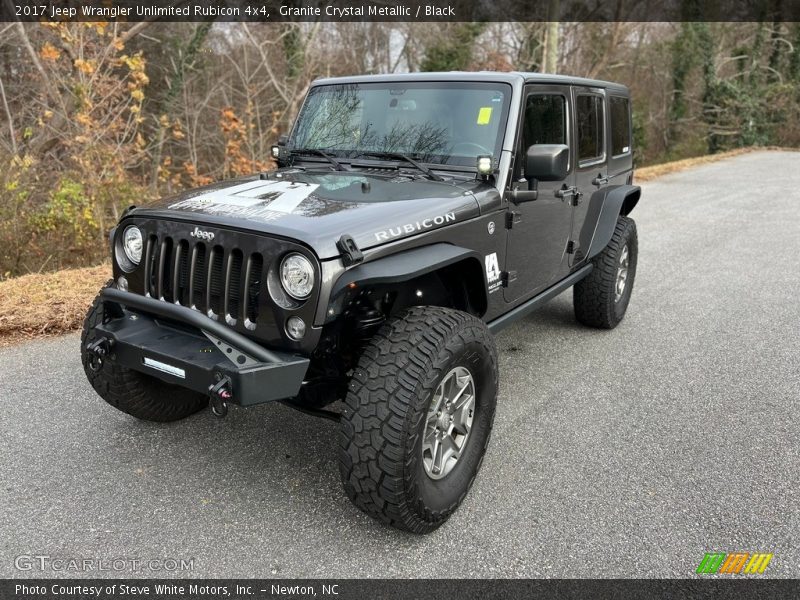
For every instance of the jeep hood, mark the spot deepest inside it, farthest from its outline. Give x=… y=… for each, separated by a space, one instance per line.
x=318 y=208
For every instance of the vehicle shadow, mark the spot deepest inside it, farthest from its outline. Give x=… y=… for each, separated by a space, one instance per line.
x=288 y=460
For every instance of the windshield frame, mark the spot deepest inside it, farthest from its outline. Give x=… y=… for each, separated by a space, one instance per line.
x=351 y=156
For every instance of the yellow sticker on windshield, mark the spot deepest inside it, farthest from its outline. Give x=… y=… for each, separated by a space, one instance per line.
x=484 y=115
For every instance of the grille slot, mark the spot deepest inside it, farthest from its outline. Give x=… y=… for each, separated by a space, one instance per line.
x=214 y=280
x=215 y=289
x=164 y=291
x=149 y=266
x=233 y=282
x=180 y=277
x=252 y=284
x=197 y=277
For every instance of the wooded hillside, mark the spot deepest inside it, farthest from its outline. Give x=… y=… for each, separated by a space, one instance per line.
x=95 y=117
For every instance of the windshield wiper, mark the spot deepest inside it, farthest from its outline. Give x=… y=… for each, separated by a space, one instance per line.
x=317 y=152
x=404 y=157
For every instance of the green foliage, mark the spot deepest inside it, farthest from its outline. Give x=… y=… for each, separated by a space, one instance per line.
x=454 y=52
x=639 y=136
x=294 y=51
x=683 y=60
x=794 y=61
x=67 y=209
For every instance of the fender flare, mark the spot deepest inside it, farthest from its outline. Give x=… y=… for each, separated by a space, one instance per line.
x=610 y=203
x=408 y=265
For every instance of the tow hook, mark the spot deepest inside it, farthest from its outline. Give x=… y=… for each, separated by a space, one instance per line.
x=219 y=394
x=98 y=350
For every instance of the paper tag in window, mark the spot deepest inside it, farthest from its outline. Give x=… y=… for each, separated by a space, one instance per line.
x=484 y=115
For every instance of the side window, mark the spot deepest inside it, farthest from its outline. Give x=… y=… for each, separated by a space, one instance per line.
x=620 y=126
x=545 y=120
x=589 y=109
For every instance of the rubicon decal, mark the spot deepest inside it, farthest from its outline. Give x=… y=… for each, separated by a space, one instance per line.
x=733 y=563
x=410 y=228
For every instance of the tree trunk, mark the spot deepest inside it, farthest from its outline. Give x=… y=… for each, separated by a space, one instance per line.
x=550 y=58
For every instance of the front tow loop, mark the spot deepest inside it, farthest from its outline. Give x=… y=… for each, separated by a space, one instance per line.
x=97 y=351
x=219 y=394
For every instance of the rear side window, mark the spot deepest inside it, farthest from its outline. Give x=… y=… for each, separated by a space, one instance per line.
x=590 y=128
x=620 y=126
x=545 y=120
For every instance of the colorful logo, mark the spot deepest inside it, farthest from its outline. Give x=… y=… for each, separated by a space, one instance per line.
x=733 y=562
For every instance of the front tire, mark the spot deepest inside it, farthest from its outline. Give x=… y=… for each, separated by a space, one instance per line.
x=397 y=412
x=139 y=395
x=601 y=299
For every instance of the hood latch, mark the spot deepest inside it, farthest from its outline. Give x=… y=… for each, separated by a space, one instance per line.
x=351 y=255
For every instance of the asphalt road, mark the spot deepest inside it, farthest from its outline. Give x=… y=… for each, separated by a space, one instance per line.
x=627 y=453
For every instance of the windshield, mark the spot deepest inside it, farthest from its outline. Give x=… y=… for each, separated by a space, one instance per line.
x=433 y=122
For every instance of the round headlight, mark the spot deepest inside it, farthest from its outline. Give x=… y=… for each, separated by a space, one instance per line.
x=297 y=276
x=132 y=244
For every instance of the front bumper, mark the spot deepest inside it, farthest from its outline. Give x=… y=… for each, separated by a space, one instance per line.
x=184 y=347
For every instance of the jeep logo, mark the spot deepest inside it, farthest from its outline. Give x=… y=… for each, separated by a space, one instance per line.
x=202 y=235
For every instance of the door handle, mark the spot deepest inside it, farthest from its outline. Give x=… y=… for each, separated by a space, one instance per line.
x=566 y=192
x=600 y=180
x=569 y=192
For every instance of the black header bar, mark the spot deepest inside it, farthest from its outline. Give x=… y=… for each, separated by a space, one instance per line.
x=403 y=589
x=399 y=11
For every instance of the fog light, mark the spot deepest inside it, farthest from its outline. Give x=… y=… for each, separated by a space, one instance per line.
x=295 y=328
x=485 y=165
x=122 y=283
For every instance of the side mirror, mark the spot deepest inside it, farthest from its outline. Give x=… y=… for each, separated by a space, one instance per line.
x=547 y=162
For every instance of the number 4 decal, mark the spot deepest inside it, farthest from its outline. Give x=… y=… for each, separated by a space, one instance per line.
x=492 y=272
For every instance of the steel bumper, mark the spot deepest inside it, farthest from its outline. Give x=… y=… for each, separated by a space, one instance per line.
x=184 y=347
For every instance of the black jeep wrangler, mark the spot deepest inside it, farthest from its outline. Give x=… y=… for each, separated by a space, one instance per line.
x=411 y=217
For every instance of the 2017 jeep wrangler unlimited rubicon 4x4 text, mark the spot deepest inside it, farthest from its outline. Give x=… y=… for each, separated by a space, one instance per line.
x=410 y=218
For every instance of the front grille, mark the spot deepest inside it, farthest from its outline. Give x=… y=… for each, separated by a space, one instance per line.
x=224 y=283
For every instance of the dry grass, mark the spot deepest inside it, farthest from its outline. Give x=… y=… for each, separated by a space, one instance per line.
x=49 y=303
x=54 y=303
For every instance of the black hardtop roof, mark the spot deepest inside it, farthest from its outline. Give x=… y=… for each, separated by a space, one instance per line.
x=487 y=76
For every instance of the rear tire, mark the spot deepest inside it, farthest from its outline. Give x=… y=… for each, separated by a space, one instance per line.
x=601 y=299
x=428 y=375
x=139 y=395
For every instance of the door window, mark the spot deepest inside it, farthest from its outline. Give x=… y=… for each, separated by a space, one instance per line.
x=589 y=110
x=545 y=120
x=620 y=126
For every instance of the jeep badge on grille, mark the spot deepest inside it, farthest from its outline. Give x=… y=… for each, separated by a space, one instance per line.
x=202 y=235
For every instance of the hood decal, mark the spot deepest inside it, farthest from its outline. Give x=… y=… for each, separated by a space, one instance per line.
x=262 y=200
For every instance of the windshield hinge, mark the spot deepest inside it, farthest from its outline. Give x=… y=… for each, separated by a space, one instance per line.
x=351 y=255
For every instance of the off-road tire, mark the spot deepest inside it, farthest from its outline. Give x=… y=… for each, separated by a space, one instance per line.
x=594 y=296
x=139 y=395
x=380 y=455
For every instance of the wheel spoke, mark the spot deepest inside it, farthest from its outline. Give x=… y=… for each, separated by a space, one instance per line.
x=436 y=403
x=622 y=274
x=462 y=416
x=436 y=456
x=450 y=449
x=448 y=422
